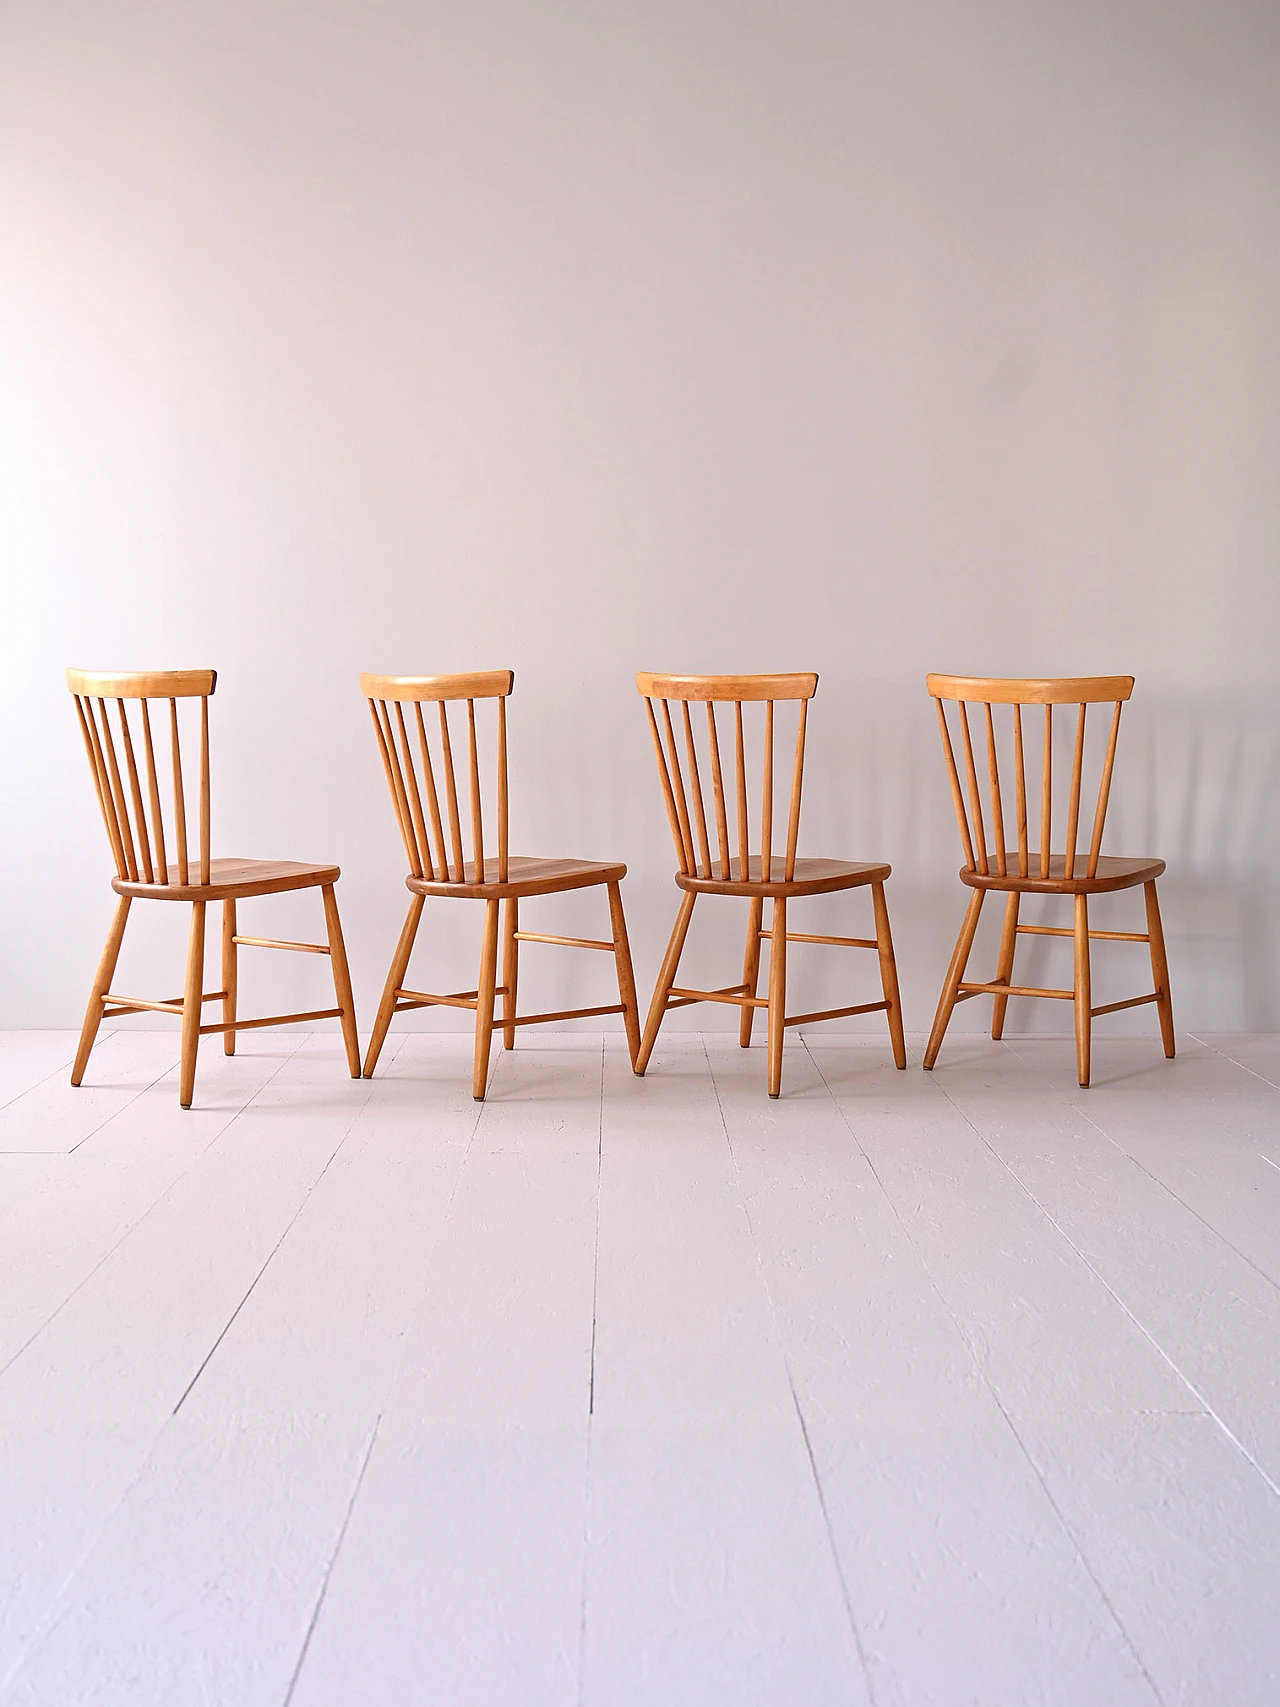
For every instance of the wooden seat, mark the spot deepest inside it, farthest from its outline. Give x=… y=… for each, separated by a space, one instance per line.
x=733 y=869
x=418 y=759
x=812 y=877
x=154 y=861
x=524 y=877
x=230 y=880
x=1111 y=875
x=1022 y=871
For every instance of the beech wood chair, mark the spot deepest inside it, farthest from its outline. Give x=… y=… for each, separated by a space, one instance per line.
x=1022 y=871
x=733 y=869
x=151 y=866
x=436 y=844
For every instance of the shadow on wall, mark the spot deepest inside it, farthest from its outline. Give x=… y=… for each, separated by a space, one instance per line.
x=1203 y=791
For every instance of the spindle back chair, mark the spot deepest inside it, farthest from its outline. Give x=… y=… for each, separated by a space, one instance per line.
x=705 y=759
x=156 y=811
x=431 y=754
x=1068 y=798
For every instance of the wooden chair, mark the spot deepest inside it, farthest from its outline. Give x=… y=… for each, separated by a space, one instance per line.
x=425 y=794
x=1022 y=871
x=733 y=869
x=155 y=864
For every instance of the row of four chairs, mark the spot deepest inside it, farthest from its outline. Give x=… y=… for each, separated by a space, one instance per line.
x=710 y=734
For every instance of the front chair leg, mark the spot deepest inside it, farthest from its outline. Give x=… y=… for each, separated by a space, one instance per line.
x=751 y=969
x=889 y=975
x=342 y=979
x=1084 y=997
x=1159 y=968
x=486 y=986
x=1004 y=966
x=955 y=972
x=101 y=984
x=777 y=993
x=626 y=973
x=230 y=975
x=395 y=978
x=191 y=1005
x=666 y=978
x=510 y=969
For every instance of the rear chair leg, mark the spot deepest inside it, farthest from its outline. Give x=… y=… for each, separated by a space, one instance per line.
x=626 y=973
x=395 y=978
x=1159 y=968
x=751 y=969
x=777 y=993
x=889 y=975
x=955 y=972
x=486 y=986
x=1004 y=966
x=191 y=1005
x=1084 y=997
x=341 y=979
x=230 y=978
x=510 y=969
x=666 y=978
x=101 y=984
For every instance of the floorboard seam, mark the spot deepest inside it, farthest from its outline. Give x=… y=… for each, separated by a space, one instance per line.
x=51 y=1074
x=1155 y=1179
x=1136 y=1320
x=288 y=1228
x=333 y=1559
x=591 y=1397
x=1235 y=1062
x=996 y=1400
x=392 y=1380
x=828 y=1528
x=48 y=1622
x=147 y=1212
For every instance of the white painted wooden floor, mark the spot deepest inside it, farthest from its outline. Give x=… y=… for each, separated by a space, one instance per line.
x=907 y=1389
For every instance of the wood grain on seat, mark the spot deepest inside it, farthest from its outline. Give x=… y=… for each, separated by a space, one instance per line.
x=525 y=876
x=233 y=879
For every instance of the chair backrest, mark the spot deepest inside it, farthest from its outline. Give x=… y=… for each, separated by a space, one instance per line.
x=682 y=786
x=1079 y=692
x=135 y=822
x=418 y=786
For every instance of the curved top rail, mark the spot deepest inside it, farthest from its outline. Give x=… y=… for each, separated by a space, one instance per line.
x=473 y=684
x=800 y=684
x=1017 y=690
x=142 y=684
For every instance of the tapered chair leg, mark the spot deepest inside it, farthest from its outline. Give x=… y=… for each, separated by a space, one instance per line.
x=777 y=993
x=955 y=972
x=510 y=969
x=889 y=975
x=342 y=979
x=1159 y=969
x=101 y=984
x=230 y=975
x=626 y=973
x=395 y=978
x=486 y=986
x=751 y=969
x=666 y=978
x=1004 y=966
x=191 y=1004
x=1084 y=997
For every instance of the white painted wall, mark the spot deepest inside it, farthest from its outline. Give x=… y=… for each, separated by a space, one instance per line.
x=579 y=339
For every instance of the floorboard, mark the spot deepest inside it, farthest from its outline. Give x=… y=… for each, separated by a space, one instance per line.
x=904 y=1390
